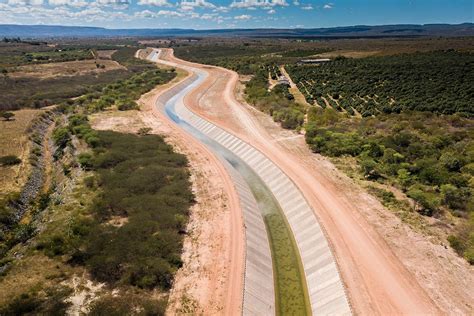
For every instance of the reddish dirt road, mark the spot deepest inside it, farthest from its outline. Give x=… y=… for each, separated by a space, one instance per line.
x=376 y=279
x=221 y=292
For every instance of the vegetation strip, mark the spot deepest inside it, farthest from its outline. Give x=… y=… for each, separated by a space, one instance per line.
x=126 y=234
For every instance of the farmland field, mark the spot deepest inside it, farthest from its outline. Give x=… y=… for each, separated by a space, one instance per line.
x=438 y=82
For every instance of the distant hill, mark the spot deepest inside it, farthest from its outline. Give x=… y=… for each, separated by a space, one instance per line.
x=402 y=30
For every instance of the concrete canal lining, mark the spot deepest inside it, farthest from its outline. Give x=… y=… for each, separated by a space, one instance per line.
x=325 y=288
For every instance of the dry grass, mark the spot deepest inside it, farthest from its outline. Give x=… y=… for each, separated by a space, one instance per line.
x=33 y=272
x=106 y=54
x=68 y=68
x=14 y=141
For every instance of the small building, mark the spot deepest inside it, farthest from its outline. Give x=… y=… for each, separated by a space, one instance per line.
x=283 y=80
x=314 y=61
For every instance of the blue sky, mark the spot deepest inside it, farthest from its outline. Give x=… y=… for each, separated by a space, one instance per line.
x=211 y=14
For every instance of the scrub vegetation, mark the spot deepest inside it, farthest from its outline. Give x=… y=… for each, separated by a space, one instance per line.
x=21 y=92
x=429 y=157
x=278 y=102
x=132 y=232
x=114 y=216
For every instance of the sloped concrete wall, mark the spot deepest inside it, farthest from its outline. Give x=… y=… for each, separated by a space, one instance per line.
x=326 y=291
x=259 y=293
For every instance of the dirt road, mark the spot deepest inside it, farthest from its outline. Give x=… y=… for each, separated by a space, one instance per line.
x=210 y=281
x=376 y=279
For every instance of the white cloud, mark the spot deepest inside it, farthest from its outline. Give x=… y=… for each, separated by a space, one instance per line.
x=221 y=9
x=145 y=14
x=169 y=13
x=122 y=3
x=72 y=3
x=243 y=17
x=208 y=16
x=307 y=7
x=247 y=4
x=188 y=5
x=157 y=3
x=328 y=6
x=25 y=2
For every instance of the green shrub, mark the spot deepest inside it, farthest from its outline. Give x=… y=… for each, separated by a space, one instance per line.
x=85 y=160
x=453 y=197
x=61 y=137
x=127 y=105
x=428 y=202
x=7 y=115
x=369 y=168
x=9 y=160
x=456 y=244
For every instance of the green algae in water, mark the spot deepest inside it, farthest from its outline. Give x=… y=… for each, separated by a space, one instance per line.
x=291 y=295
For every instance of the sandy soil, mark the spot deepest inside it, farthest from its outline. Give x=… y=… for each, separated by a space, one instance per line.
x=299 y=97
x=386 y=267
x=68 y=68
x=210 y=282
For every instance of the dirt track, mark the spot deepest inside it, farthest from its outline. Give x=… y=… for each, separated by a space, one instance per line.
x=378 y=281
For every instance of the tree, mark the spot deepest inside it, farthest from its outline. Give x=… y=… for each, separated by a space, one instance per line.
x=454 y=197
x=9 y=160
x=451 y=161
x=391 y=156
x=7 y=115
x=373 y=149
x=4 y=72
x=369 y=168
x=404 y=177
x=427 y=203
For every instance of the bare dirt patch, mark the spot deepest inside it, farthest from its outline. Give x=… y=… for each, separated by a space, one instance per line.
x=68 y=68
x=299 y=97
x=348 y=54
x=119 y=121
x=106 y=54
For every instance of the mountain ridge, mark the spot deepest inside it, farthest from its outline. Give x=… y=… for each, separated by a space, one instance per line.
x=392 y=30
